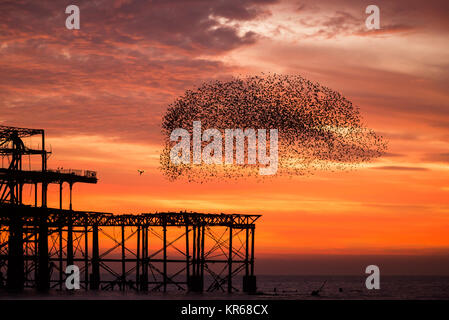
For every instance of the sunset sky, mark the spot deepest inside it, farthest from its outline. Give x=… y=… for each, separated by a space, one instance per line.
x=100 y=93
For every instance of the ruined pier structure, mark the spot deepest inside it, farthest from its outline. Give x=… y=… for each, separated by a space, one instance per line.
x=142 y=252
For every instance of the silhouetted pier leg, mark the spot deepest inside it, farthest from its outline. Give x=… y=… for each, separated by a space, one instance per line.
x=194 y=252
x=187 y=256
x=60 y=241
x=60 y=254
x=190 y=283
x=95 y=280
x=245 y=277
x=145 y=262
x=253 y=231
x=21 y=192
x=15 y=272
x=198 y=260
x=123 y=260
x=86 y=257
x=69 y=244
x=195 y=283
x=202 y=257
x=60 y=195
x=198 y=251
x=230 y=261
x=138 y=260
x=43 y=275
x=36 y=246
x=247 y=252
x=71 y=187
x=249 y=280
x=165 y=256
x=35 y=195
x=70 y=241
x=44 y=195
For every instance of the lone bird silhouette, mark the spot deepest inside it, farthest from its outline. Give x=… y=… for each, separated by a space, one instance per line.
x=140 y=171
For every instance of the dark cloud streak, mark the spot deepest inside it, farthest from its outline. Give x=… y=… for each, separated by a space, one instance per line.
x=116 y=74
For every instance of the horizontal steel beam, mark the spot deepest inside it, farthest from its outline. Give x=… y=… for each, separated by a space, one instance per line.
x=58 y=218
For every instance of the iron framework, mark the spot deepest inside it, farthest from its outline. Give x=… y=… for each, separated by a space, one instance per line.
x=140 y=252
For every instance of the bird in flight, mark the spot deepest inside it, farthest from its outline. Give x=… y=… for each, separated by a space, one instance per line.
x=140 y=171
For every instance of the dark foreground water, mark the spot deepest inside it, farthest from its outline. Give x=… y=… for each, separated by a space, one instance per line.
x=353 y=287
x=284 y=287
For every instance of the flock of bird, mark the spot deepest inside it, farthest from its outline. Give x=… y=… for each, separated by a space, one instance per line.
x=319 y=129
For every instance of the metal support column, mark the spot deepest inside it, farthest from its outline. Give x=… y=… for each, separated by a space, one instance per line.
x=202 y=254
x=43 y=275
x=35 y=195
x=60 y=241
x=253 y=229
x=86 y=257
x=69 y=244
x=95 y=280
x=123 y=260
x=71 y=187
x=230 y=261
x=138 y=260
x=187 y=256
x=15 y=272
x=165 y=255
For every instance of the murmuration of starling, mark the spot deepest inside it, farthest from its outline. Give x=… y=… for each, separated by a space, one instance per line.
x=319 y=129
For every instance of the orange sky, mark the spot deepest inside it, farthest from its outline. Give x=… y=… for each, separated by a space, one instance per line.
x=100 y=93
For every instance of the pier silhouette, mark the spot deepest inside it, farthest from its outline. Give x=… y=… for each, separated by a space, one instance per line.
x=37 y=243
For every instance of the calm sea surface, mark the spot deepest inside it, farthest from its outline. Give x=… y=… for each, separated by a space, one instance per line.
x=284 y=287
